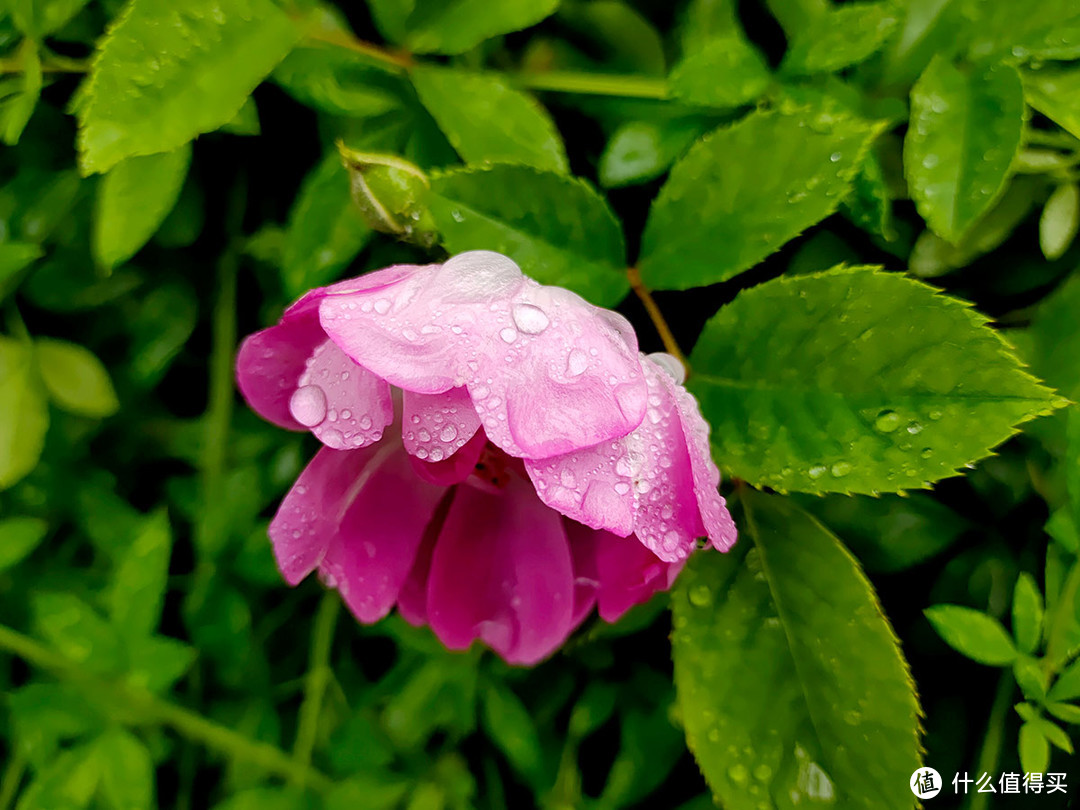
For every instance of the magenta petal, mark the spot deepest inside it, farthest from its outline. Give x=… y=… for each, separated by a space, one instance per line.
x=557 y=374
x=379 y=534
x=344 y=405
x=455 y=469
x=719 y=527
x=435 y=426
x=308 y=518
x=269 y=364
x=501 y=572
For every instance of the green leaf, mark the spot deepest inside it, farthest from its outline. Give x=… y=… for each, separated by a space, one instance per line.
x=14 y=258
x=137 y=588
x=77 y=632
x=506 y=721
x=1027 y=613
x=810 y=384
x=706 y=20
x=265 y=798
x=339 y=82
x=870 y=204
x=157 y=662
x=649 y=748
x=454 y=26
x=75 y=378
x=1067 y=685
x=1049 y=29
x=787 y=620
x=1056 y=94
x=557 y=228
x=39 y=18
x=486 y=120
x=24 y=411
x=1034 y=748
x=1055 y=336
x=43 y=715
x=627 y=41
x=973 y=633
x=326 y=229
x=964 y=133
x=19 y=94
x=127 y=771
x=165 y=74
x=65 y=783
x=840 y=37
x=1054 y=733
x=19 y=536
x=133 y=199
x=1059 y=221
x=641 y=150
x=245 y=122
x=726 y=72
x=1065 y=711
x=1031 y=678
x=743 y=191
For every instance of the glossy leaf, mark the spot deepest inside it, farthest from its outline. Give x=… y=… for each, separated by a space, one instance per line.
x=1046 y=30
x=641 y=150
x=726 y=72
x=558 y=229
x=326 y=229
x=75 y=379
x=19 y=536
x=133 y=200
x=486 y=120
x=137 y=588
x=841 y=37
x=1059 y=221
x=127 y=771
x=165 y=74
x=339 y=82
x=743 y=191
x=454 y=26
x=24 y=411
x=1027 y=613
x=809 y=385
x=973 y=633
x=1056 y=94
x=787 y=620
x=964 y=133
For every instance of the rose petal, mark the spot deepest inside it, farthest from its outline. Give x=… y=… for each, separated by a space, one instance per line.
x=455 y=469
x=344 y=405
x=436 y=426
x=269 y=364
x=501 y=573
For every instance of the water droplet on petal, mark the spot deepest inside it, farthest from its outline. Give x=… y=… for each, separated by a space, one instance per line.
x=576 y=363
x=448 y=434
x=509 y=335
x=530 y=319
x=382 y=306
x=308 y=405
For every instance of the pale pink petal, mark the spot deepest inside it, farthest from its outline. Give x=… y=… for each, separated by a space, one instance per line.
x=557 y=374
x=344 y=405
x=269 y=364
x=423 y=334
x=435 y=426
x=308 y=518
x=379 y=533
x=547 y=371
x=455 y=469
x=719 y=527
x=501 y=573
x=643 y=483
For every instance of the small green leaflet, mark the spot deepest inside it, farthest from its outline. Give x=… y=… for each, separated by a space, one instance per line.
x=24 y=411
x=133 y=200
x=19 y=536
x=454 y=26
x=557 y=228
x=76 y=380
x=973 y=634
x=840 y=37
x=137 y=587
x=486 y=120
x=726 y=72
x=166 y=73
x=965 y=131
x=743 y=191
x=844 y=381
x=790 y=680
x=1056 y=94
x=641 y=150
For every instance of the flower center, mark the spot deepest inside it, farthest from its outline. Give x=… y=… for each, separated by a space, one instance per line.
x=493 y=466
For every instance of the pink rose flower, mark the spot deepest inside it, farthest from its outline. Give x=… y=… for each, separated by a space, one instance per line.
x=536 y=464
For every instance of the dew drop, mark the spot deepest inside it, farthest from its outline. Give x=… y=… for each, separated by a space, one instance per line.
x=576 y=363
x=448 y=433
x=840 y=469
x=701 y=596
x=887 y=421
x=308 y=405
x=530 y=319
x=382 y=306
x=622 y=487
x=509 y=335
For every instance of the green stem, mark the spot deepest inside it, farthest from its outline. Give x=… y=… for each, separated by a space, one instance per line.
x=593 y=84
x=318 y=676
x=995 y=736
x=150 y=709
x=13 y=775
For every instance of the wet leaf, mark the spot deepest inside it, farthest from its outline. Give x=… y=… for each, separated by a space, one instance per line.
x=725 y=72
x=788 y=621
x=840 y=37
